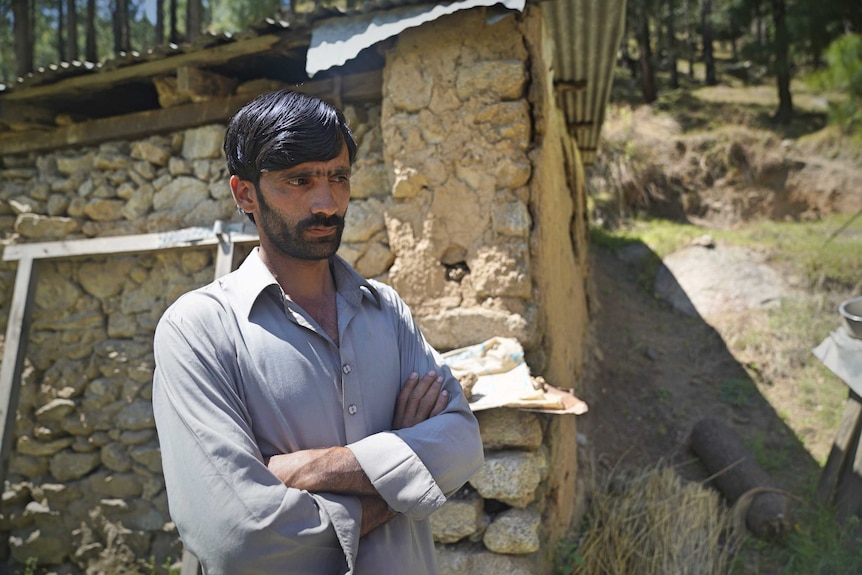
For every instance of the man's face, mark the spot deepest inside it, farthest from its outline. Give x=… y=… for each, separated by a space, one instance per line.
x=301 y=210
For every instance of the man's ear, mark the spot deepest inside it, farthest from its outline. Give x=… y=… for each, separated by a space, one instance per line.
x=244 y=194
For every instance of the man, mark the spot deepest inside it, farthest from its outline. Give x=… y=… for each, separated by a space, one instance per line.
x=297 y=433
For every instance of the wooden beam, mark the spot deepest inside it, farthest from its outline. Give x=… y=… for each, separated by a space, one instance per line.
x=102 y=79
x=570 y=86
x=189 y=237
x=137 y=125
x=141 y=124
x=17 y=330
x=223 y=266
x=200 y=85
x=18 y=326
x=15 y=114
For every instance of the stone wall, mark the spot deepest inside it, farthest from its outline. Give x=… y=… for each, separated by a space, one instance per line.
x=461 y=200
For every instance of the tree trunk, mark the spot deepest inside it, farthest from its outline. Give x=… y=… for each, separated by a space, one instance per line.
x=61 y=25
x=706 y=33
x=174 y=35
x=689 y=35
x=853 y=16
x=23 y=33
x=121 y=27
x=782 y=63
x=90 y=48
x=648 y=86
x=671 y=44
x=194 y=19
x=739 y=478
x=71 y=30
x=160 y=22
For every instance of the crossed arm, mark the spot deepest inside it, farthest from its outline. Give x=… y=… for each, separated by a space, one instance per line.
x=336 y=470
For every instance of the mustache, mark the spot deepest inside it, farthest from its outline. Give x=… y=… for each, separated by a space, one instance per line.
x=319 y=220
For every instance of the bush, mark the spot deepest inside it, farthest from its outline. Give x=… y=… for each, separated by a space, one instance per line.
x=843 y=74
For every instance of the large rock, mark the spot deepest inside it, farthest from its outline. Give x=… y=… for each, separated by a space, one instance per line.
x=515 y=531
x=47 y=543
x=509 y=429
x=454 y=328
x=152 y=153
x=45 y=227
x=137 y=415
x=511 y=477
x=364 y=219
x=457 y=519
x=705 y=279
x=67 y=465
x=504 y=79
x=204 y=142
x=181 y=195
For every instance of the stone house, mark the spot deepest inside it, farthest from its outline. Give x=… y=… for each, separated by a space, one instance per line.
x=475 y=121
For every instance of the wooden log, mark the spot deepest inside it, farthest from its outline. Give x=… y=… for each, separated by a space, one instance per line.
x=738 y=476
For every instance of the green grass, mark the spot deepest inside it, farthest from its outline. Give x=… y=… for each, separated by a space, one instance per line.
x=825 y=253
x=816 y=546
x=825 y=257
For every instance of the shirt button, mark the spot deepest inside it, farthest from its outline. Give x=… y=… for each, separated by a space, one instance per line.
x=345 y=369
x=352 y=409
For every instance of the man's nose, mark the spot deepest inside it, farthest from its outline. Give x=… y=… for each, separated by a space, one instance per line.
x=324 y=201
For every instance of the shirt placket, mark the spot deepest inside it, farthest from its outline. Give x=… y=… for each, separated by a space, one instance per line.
x=352 y=404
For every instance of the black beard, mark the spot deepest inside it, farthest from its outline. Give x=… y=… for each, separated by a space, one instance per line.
x=288 y=239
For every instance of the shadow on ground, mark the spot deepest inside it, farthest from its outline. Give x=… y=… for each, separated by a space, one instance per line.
x=654 y=372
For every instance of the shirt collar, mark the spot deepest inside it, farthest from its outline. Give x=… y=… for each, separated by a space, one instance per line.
x=252 y=278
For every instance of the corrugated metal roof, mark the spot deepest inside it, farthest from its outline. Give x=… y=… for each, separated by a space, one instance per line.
x=335 y=41
x=586 y=35
x=62 y=70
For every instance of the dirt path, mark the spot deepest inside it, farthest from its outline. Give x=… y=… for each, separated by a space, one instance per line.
x=655 y=371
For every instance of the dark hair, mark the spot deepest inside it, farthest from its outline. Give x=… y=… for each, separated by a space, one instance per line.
x=282 y=129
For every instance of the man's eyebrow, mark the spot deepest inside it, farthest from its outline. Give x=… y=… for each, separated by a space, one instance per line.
x=292 y=173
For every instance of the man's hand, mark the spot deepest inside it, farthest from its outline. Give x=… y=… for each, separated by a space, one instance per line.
x=419 y=399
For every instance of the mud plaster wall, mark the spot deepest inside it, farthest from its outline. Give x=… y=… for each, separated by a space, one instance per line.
x=461 y=200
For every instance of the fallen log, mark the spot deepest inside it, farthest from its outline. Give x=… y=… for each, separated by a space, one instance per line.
x=740 y=479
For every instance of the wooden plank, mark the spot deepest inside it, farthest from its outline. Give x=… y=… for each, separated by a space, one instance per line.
x=189 y=237
x=18 y=113
x=190 y=564
x=17 y=330
x=223 y=266
x=103 y=79
x=840 y=454
x=129 y=126
x=224 y=257
x=362 y=86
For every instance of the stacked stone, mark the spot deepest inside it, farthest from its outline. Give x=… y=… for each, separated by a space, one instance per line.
x=457 y=131
x=494 y=525
x=84 y=486
x=441 y=189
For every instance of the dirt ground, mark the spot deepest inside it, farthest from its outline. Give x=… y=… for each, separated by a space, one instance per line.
x=654 y=372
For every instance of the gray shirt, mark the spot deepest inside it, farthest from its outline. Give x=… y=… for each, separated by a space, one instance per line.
x=243 y=374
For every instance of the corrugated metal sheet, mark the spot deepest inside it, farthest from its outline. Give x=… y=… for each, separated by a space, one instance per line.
x=587 y=35
x=62 y=70
x=334 y=41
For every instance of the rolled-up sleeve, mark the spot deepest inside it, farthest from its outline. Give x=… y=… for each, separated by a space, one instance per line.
x=231 y=511
x=415 y=469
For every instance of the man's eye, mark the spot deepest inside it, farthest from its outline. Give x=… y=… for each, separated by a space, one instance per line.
x=297 y=181
x=341 y=179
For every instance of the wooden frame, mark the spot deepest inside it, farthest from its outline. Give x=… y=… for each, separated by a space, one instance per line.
x=224 y=236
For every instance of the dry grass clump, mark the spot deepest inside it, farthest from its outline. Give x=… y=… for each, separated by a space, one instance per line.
x=654 y=523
